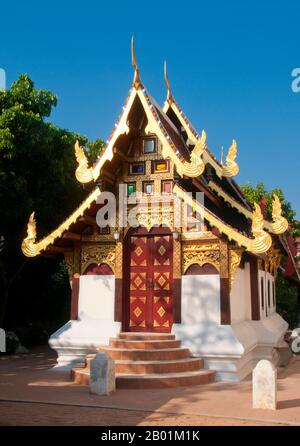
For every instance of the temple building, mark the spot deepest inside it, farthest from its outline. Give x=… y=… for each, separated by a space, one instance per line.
x=192 y=301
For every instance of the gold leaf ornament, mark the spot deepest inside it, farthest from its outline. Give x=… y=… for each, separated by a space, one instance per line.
x=196 y=165
x=28 y=244
x=84 y=174
x=280 y=224
x=262 y=240
x=231 y=169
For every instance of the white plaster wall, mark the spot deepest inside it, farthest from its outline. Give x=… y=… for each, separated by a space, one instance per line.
x=96 y=297
x=240 y=295
x=231 y=350
x=200 y=298
x=95 y=324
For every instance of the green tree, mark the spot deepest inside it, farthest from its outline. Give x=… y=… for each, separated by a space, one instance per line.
x=37 y=166
x=93 y=150
x=287 y=300
x=255 y=194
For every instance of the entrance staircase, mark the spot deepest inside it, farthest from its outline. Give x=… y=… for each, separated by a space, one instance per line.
x=149 y=360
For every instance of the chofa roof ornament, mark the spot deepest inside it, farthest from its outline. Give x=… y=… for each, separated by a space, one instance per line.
x=28 y=245
x=262 y=241
x=31 y=248
x=83 y=173
x=231 y=168
x=196 y=165
x=280 y=224
x=170 y=99
x=136 y=78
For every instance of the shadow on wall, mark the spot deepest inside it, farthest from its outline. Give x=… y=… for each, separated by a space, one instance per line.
x=200 y=328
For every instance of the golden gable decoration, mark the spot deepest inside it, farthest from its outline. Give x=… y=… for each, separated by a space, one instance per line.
x=279 y=224
x=29 y=246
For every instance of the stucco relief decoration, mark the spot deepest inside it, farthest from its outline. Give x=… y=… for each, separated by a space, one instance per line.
x=156 y=216
x=98 y=254
x=224 y=267
x=177 y=260
x=274 y=261
x=119 y=260
x=200 y=254
x=69 y=261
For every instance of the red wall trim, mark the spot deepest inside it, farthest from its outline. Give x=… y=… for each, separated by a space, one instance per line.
x=225 y=301
x=254 y=289
x=118 y=299
x=177 y=301
x=74 y=298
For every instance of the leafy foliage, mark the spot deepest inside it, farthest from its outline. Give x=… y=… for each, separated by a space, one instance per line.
x=287 y=301
x=94 y=149
x=37 y=166
x=255 y=194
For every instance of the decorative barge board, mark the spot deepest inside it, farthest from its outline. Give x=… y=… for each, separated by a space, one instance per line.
x=211 y=286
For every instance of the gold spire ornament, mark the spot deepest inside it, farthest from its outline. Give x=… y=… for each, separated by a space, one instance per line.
x=262 y=241
x=31 y=248
x=136 y=79
x=231 y=169
x=28 y=244
x=83 y=173
x=280 y=224
x=170 y=99
x=196 y=165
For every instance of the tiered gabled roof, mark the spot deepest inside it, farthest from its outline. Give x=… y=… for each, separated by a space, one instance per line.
x=235 y=198
x=190 y=155
x=173 y=145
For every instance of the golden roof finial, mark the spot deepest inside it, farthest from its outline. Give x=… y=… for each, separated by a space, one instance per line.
x=28 y=244
x=169 y=96
x=84 y=173
x=136 y=79
x=280 y=224
x=231 y=169
x=262 y=241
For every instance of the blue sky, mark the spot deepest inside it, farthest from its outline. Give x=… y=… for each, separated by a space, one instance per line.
x=229 y=64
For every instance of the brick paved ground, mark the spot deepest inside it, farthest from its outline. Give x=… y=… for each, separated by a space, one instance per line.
x=31 y=394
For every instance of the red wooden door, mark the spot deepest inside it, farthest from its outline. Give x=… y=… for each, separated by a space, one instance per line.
x=150 y=283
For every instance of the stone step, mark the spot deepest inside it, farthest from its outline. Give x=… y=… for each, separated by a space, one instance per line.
x=136 y=367
x=146 y=355
x=143 y=344
x=156 y=367
x=150 y=381
x=80 y=375
x=157 y=381
x=148 y=360
x=146 y=336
